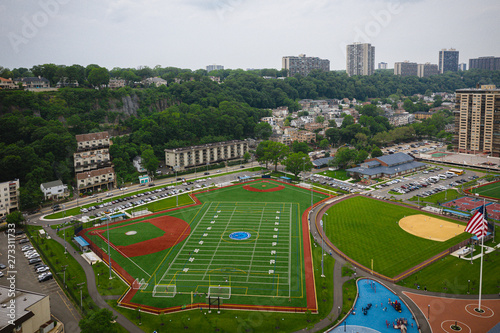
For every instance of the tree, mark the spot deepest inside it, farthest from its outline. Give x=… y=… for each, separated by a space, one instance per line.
x=362 y=155
x=246 y=157
x=150 y=161
x=277 y=152
x=100 y=321
x=263 y=131
x=16 y=218
x=320 y=119
x=344 y=157
x=298 y=162
x=262 y=152
x=323 y=144
x=376 y=152
x=333 y=135
x=300 y=146
x=98 y=77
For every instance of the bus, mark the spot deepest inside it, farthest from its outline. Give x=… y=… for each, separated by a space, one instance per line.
x=457 y=171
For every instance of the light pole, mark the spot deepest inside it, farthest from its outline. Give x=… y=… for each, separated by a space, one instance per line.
x=81 y=294
x=322 y=246
x=468 y=286
x=177 y=195
x=109 y=251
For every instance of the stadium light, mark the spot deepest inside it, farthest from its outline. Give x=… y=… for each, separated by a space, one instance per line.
x=109 y=252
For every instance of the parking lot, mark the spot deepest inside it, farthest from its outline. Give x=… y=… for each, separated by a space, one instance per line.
x=27 y=279
x=422 y=184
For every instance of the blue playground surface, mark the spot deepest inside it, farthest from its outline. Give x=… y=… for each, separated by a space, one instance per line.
x=381 y=315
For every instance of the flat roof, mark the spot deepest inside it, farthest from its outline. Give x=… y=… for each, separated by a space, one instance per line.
x=23 y=300
x=81 y=241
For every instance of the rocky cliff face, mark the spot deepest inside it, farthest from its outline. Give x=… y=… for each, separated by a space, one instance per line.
x=129 y=107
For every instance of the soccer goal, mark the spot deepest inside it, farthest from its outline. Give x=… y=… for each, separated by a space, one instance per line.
x=165 y=290
x=139 y=284
x=223 y=292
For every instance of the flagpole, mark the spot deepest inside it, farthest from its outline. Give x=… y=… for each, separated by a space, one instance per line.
x=481 y=274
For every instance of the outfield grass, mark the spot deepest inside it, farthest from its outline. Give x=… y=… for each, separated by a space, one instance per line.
x=144 y=231
x=373 y=233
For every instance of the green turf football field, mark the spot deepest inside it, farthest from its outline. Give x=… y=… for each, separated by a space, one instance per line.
x=265 y=269
x=366 y=229
x=490 y=190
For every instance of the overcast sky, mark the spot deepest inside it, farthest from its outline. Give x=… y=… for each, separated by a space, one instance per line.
x=240 y=33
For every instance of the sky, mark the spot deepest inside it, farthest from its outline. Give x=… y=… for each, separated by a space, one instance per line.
x=240 y=33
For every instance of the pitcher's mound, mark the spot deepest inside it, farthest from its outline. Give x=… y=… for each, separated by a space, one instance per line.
x=129 y=233
x=429 y=227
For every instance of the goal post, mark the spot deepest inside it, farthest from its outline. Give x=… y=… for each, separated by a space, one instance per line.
x=223 y=292
x=164 y=290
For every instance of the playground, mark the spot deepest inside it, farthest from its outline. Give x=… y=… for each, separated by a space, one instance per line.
x=232 y=248
x=430 y=227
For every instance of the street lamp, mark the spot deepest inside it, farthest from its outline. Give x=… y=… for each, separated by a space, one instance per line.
x=468 y=286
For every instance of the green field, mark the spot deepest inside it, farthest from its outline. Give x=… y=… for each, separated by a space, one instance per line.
x=491 y=190
x=265 y=269
x=337 y=174
x=144 y=231
x=372 y=232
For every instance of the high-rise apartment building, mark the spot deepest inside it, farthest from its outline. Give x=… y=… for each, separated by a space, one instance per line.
x=477 y=125
x=9 y=197
x=427 y=69
x=405 y=68
x=488 y=63
x=448 y=61
x=304 y=65
x=382 y=65
x=214 y=67
x=462 y=66
x=360 y=59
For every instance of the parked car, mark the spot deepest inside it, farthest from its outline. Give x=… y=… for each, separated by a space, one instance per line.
x=24 y=240
x=34 y=261
x=2 y=266
x=42 y=269
x=45 y=278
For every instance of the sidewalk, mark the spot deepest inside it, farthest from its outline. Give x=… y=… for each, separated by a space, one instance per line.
x=91 y=285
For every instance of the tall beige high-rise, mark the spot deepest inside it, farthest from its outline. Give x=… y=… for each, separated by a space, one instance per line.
x=360 y=59
x=477 y=126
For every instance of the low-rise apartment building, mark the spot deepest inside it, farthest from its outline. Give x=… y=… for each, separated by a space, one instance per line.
x=91 y=159
x=202 y=155
x=93 y=141
x=9 y=197
x=99 y=179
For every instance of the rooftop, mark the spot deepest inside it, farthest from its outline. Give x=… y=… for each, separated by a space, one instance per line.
x=92 y=136
x=23 y=299
x=54 y=183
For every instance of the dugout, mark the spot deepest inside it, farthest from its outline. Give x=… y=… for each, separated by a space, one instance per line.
x=455 y=213
x=82 y=243
x=286 y=179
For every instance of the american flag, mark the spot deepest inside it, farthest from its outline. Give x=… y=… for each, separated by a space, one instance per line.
x=478 y=225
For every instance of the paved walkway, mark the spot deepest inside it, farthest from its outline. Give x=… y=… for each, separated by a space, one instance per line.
x=91 y=285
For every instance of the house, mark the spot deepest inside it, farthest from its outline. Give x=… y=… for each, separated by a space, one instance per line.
x=386 y=166
x=116 y=83
x=33 y=82
x=137 y=162
x=54 y=190
x=65 y=82
x=7 y=84
x=157 y=81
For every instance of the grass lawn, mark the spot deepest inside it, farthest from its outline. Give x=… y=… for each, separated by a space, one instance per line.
x=450 y=275
x=105 y=286
x=338 y=174
x=372 y=232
